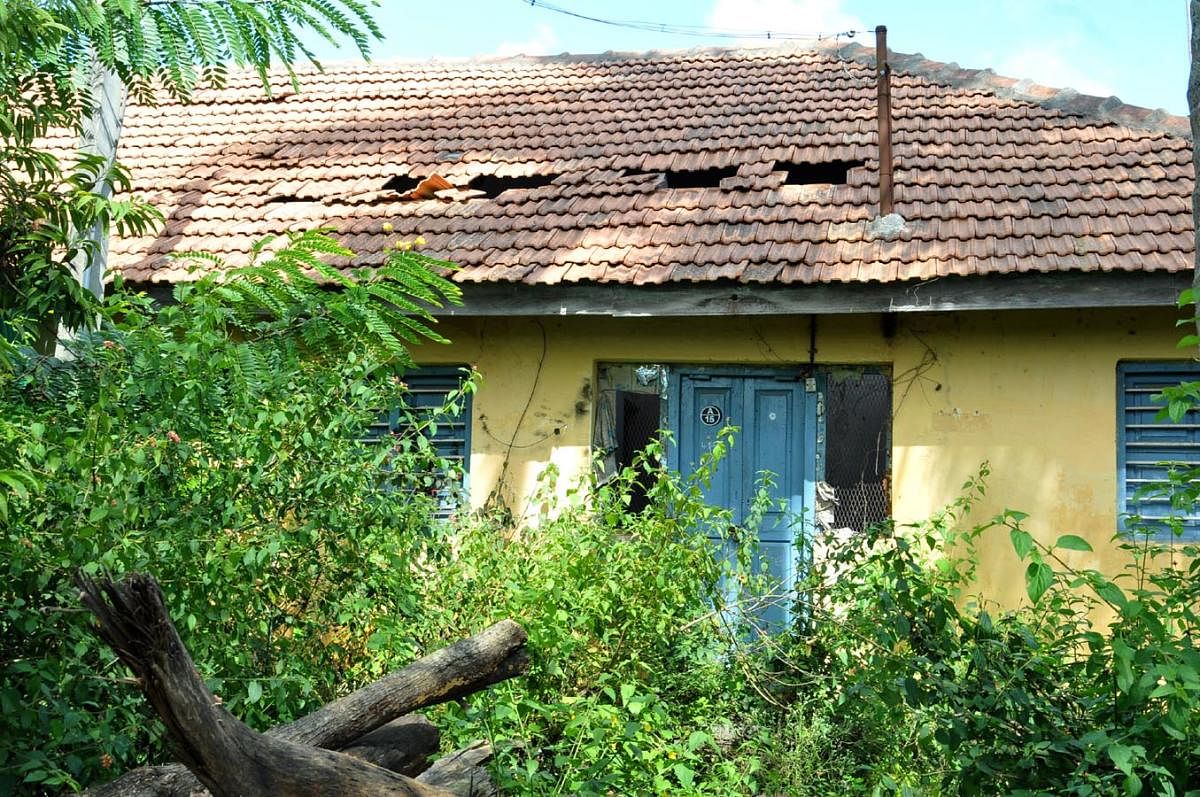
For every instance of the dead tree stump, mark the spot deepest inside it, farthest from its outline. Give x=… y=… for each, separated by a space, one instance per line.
x=381 y=751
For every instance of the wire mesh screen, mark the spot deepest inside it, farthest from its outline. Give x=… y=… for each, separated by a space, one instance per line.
x=638 y=422
x=858 y=406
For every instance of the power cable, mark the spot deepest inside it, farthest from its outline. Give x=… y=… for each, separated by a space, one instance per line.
x=699 y=31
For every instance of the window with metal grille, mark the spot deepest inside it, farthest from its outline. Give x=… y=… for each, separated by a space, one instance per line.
x=638 y=422
x=1149 y=447
x=446 y=427
x=858 y=424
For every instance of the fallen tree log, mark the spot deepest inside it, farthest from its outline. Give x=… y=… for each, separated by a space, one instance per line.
x=227 y=757
x=493 y=655
x=404 y=745
x=461 y=773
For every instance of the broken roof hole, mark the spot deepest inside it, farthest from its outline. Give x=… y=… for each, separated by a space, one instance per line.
x=401 y=183
x=699 y=178
x=493 y=185
x=281 y=200
x=690 y=178
x=828 y=173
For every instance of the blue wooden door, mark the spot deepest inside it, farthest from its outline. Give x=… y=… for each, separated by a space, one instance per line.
x=776 y=415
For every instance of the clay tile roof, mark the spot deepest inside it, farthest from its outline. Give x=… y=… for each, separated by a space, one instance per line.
x=745 y=165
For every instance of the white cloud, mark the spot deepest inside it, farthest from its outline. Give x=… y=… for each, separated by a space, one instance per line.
x=783 y=16
x=1047 y=64
x=542 y=42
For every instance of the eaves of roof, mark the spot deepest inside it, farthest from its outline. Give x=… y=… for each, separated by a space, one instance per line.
x=756 y=167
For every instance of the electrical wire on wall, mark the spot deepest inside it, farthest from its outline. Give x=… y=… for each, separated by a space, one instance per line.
x=905 y=380
x=511 y=444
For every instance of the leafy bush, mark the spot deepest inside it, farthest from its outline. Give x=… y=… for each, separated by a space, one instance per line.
x=1039 y=700
x=214 y=442
x=632 y=681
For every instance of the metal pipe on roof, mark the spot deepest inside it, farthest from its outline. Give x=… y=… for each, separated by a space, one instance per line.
x=883 y=76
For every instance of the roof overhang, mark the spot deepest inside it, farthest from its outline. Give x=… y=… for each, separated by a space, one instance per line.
x=1029 y=291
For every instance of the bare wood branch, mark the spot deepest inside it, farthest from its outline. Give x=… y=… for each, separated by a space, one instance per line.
x=490 y=657
x=461 y=773
x=467 y=666
x=225 y=755
x=404 y=745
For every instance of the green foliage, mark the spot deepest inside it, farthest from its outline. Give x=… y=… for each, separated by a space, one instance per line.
x=289 y=294
x=1039 y=700
x=55 y=204
x=214 y=442
x=635 y=684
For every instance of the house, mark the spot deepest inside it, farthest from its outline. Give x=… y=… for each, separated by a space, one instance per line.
x=694 y=238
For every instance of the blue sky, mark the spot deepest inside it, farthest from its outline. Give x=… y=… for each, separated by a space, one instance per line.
x=1135 y=49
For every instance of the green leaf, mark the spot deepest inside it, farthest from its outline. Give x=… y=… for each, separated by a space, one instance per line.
x=254 y=692
x=1110 y=592
x=1072 y=542
x=1123 y=656
x=1121 y=756
x=1038 y=578
x=1022 y=542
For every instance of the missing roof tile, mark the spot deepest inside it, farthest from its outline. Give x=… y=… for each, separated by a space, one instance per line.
x=689 y=178
x=699 y=178
x=414 y=189
x=401 y=183
x=827 y=173
x=493 y=185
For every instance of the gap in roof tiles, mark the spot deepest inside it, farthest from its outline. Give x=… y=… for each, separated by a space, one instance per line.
x=827 y=173
x=493 y=185
x=699 y=178
x=689 y=178
x=401 y=184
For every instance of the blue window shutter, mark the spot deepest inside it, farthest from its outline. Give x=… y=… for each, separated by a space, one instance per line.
x=1148 y=447
x=428 y=389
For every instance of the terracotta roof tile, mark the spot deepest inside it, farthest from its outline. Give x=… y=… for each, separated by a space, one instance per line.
x=993 y=175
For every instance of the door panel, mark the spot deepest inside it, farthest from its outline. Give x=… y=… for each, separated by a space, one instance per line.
x=775 y=435
x=700 y=396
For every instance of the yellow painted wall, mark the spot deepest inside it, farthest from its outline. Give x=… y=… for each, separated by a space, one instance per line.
x=1032 y=392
